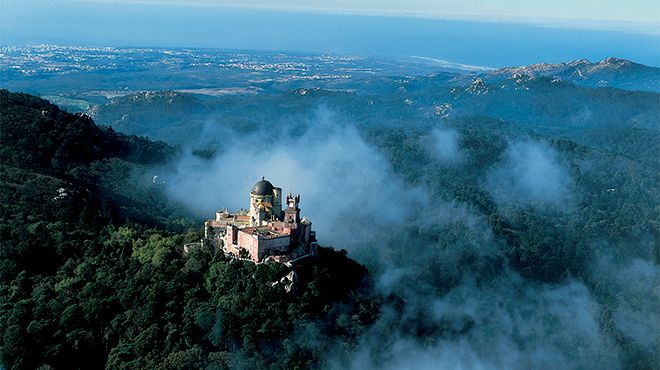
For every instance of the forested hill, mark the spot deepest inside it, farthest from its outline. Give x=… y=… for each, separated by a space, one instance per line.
x=62 y=171
x=40 y=136
x=40 y=141
x=92 y=273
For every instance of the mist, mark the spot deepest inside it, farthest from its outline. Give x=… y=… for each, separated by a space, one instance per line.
x=507 y=323
x=347 y=187
x=444 y=145
x=452 y=299
x=531 y=174
x=632 y=288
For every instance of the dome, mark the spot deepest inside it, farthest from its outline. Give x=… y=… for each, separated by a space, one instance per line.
x=262 y=187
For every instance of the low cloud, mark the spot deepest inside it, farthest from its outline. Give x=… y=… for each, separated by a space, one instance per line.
x=531 y=174
x=347 y=187
x=459 y=305
x=444 y=145
x=632 y=293
x=507 y=323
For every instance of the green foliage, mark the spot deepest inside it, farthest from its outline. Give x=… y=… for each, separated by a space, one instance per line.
x=80 y=288
x=83 y=288
x=153 y=249
x=116 y=309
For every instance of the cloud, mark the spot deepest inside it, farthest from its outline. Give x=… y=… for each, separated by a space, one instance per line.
x=347 y=187
x=455 y=302
x=633 y=295
x=531 y=174
x=506 y=323
x=444 y=145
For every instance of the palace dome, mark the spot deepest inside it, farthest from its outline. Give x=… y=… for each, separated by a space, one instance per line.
x=262 y=187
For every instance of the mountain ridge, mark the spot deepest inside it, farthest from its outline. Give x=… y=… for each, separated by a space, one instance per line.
x=608 y=72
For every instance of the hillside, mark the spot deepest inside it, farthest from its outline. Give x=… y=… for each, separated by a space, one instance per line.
x=535 y=100
x=93 y=274
x=500 y=216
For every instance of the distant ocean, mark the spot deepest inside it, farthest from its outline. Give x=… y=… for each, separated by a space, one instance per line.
x=468 y=42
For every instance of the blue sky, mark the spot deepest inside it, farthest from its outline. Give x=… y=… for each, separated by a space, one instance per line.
x=488 y=33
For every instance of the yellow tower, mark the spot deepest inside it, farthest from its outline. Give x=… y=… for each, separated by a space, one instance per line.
x=265 y=202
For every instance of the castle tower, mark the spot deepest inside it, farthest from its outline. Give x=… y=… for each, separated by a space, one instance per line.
x=261 y=202
x=292 y=212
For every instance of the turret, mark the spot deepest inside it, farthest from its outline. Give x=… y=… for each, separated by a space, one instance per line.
x=292 y=212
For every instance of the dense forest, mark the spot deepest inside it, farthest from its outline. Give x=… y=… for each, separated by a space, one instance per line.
x=498 y=223
x=93 y=273
x=529 y=194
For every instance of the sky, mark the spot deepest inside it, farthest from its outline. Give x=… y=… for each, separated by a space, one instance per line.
x=485 y=33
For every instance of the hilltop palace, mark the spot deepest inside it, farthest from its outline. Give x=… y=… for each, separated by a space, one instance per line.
x=266 y=230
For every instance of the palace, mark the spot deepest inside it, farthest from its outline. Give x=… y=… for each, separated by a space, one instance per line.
x=265 y=230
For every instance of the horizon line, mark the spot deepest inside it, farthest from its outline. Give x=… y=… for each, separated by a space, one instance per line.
x=648 y=28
